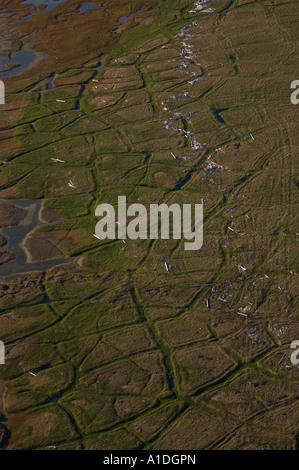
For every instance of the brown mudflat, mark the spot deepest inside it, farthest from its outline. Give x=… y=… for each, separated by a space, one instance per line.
x=11 y=215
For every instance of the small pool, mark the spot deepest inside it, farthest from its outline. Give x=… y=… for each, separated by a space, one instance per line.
x=15 y=236
x=218 y=112
x=49 y=4
x=124 y=19
x=22 y=61
x=89 y=6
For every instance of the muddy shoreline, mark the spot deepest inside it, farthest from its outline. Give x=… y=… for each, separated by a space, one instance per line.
x=18 y=235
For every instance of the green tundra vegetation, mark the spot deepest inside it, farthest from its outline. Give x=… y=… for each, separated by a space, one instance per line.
x=169 y=101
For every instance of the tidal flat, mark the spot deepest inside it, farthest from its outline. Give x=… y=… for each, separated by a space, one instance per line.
x=168 y=101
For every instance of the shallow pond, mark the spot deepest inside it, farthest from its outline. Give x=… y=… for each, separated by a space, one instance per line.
x=218 y=112
x=22 y=59
x=15 y=236
x=89 y=6
x=50 y=5
x=124 y=19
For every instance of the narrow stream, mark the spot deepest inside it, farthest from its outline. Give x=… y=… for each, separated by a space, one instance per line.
x=182 y=183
